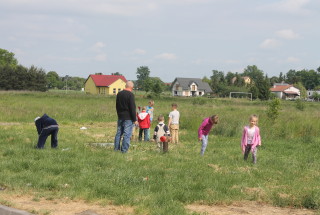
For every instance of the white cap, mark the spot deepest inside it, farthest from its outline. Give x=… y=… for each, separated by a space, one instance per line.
x=38 y=117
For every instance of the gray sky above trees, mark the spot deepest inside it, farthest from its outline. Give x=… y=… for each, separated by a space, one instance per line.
x=174 y=38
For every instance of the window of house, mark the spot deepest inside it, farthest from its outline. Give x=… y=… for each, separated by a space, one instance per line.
x=177 y=86
x=175 y=92
x=193 y=88
x=114 y=91
x=119 y=90
x=103 y=90
x=200 y=93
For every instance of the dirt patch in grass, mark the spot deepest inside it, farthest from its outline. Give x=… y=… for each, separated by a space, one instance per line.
x=61 y=206
x=9 y=123
x=242 y=208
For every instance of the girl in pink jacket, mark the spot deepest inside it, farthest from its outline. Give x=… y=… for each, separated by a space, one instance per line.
x=204 y=129
x=251 y=138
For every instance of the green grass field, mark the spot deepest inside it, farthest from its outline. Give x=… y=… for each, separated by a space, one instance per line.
x=287 y=172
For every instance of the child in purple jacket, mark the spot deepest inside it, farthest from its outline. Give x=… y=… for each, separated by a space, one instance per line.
x=204 y=129
x=251 y=138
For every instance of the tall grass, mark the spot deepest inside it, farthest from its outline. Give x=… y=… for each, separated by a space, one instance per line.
x=287 y=173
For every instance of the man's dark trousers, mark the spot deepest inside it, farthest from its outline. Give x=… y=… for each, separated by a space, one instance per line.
x=44 y=135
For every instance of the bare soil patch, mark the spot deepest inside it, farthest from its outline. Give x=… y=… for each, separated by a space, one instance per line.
x=62 y=206
x=242 y=208
x=9 y=123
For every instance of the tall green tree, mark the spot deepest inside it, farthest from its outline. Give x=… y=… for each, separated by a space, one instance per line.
x=207 y=80
x=217 y=81
x=239 y=81
x=253 y=72
x=292 y=77
x=309 y=78
x=53 y=79
x=143 y=73
x=157 y=87
x=281 y=78
x=229 y=77
x=303 y=91
x=75 y=83
x=7 y=58
x=263 y=85
x=274 y=79
x=255 y=91
x=22 y=78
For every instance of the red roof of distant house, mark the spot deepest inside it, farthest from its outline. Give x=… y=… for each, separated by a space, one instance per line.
x=280 y=88
x=106 y=80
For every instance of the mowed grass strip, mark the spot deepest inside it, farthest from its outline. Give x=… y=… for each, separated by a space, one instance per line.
x=287 y=172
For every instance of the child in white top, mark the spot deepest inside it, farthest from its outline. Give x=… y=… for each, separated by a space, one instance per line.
x=251 y=138
x=174 y=117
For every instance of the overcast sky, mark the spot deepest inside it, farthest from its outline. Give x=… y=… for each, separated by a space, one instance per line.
x=174 y=38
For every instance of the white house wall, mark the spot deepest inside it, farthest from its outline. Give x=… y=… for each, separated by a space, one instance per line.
x=311 y=92
x=293 y=89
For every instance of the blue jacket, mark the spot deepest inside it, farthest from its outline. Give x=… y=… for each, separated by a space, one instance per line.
x=44 y=122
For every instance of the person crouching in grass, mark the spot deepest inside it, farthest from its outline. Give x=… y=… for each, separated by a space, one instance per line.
x=46 y=126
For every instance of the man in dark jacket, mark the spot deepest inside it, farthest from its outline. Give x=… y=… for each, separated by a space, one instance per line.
x=126 y=110
x=47 y=126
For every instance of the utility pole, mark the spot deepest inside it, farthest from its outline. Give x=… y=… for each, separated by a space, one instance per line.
x=66 y=83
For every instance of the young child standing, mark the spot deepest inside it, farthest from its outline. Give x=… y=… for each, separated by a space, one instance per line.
x=204 y=129
x=149 y=110
x=144 y=124
x=173 y=123
x=251 y=138
x=160 y=130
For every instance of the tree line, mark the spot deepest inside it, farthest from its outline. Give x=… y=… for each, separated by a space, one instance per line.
x=222 y=84
x=153 y=86
x=14 y=76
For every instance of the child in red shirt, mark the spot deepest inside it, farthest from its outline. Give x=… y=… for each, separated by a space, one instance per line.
x=144 y=124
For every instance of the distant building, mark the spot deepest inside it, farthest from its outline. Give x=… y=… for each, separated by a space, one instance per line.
x=190 y=87
x=104 y=84
x=246 y=79
x=311 y=92
x=285 y=91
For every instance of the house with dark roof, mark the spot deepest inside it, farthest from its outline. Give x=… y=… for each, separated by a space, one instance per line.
x=285 y=91
x=190 y=87
x=104 y=84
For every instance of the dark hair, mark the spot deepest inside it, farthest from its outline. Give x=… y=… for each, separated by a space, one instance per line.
x=174 y=105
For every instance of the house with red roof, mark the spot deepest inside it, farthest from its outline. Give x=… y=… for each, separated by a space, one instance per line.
x=104 y=84
x=285 y=91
